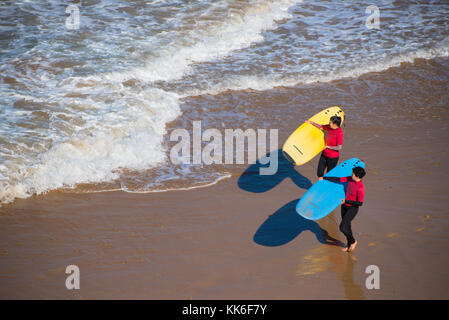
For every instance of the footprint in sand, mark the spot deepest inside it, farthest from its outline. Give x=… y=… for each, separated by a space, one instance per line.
x=426 y=218
x=395 y=234
x=392 y=235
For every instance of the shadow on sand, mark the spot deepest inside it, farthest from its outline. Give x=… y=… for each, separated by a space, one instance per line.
x=251 y=180
x=285 y=225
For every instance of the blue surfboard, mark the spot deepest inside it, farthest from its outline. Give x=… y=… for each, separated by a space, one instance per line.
x=324 y=196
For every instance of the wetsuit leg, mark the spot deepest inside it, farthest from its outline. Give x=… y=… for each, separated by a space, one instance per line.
x=347 y=214
x=322 y=164
x=331 y=163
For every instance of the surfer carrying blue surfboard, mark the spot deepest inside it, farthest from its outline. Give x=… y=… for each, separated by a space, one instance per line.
x=355 y=193
x=333 y=143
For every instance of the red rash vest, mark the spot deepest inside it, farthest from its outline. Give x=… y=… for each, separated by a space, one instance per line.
x=334 y=137
x=355 y=190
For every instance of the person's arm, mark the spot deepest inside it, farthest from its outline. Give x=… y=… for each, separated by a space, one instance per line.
x=315 y=124
x=336 y=179
x=354 y=203
x=336 y=148
x=332 y=179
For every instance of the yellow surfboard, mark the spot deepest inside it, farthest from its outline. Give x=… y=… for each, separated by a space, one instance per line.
x=307 y=141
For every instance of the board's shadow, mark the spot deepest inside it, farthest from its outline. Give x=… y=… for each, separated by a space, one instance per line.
x=286 y=224
x=251 y=180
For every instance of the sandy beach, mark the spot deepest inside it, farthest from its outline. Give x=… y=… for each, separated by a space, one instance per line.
x=86 y=111
x=242 y=238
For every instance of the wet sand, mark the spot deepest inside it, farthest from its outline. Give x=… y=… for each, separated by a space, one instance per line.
x=241 y=238
x=224 y=242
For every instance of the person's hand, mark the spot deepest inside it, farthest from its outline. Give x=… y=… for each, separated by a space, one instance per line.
x=325 y=147
x=307 y=121
x=342 y=201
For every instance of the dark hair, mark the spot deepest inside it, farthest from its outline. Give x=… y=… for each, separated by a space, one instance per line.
x=336 y=120
x=359 y=172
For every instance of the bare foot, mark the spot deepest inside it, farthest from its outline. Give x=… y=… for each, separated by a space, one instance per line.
x=352 y=247
x=320 y=178
x=345 y=249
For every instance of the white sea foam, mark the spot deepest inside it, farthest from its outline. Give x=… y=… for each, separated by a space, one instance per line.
x=99 y=126
x=257 y=83
x=197 y=186
x=127 y=138
x=235 y=33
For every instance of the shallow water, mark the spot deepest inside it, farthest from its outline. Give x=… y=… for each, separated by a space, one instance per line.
x=92 y=109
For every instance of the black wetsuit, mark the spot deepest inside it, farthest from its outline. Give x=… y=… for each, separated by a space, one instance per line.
x=324 y=163
x=348 y=212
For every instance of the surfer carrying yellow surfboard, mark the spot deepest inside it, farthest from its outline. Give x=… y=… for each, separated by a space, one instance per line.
x=334 y=141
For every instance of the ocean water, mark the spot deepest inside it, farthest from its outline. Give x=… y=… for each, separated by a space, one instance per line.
x=91 y=109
